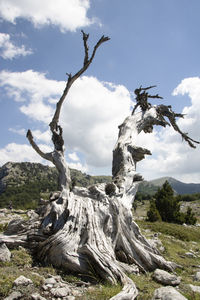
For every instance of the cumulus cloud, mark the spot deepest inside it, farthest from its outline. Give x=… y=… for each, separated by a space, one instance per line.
x=172 y=156
x=21 y=152
x=21 y=131
x=8 y=50
x=89 y=118
x=66 y=14
x=73 y=156
x=35 y=90
x=78 y=166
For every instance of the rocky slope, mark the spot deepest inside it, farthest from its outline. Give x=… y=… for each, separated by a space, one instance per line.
x=25 y=183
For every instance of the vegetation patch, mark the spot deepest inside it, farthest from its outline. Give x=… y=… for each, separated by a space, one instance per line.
x=189 y=233
x=101 y=292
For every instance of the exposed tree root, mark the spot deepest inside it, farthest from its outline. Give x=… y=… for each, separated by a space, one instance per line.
x=90 y=234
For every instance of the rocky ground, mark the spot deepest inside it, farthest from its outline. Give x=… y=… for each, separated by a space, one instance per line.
x=23 y=278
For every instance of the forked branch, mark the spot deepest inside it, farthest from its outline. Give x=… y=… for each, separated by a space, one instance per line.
x=87 y=61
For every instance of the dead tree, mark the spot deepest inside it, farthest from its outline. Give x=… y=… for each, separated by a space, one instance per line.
x=91 y=230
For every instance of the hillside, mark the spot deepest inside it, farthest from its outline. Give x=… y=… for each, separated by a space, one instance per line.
x=25 y=183
x=150 y=187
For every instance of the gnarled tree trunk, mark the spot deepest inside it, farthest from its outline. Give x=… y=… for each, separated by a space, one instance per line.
x=91 y=230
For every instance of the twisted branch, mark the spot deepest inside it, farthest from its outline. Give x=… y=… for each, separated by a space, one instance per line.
x=167 y=111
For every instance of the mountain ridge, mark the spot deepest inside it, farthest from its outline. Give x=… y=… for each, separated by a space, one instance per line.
x=25 y=183
x=178 y=186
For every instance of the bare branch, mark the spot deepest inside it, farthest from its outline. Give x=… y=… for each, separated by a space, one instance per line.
x=85 y=38
x=71 y=78
x=142 y=98
x=47 y=156
x=166 y=111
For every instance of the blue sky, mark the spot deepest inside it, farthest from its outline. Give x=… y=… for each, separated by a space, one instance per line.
x=153 y=42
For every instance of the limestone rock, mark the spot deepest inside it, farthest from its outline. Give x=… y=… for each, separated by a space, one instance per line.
x=166 y=278
x=167 y=293
x=32 y=214
x=190 y=254
x=37 y=296
x=22 y=280
x=60 y=292
x=4 y=253
x=197 y=276
x=50 y=281
x=156 y=243
x=194 y=288
x=14 y=296
x=14 y=226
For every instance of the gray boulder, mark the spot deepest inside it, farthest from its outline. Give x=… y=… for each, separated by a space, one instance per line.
x=14 y=296
x=167 y=293
x=14 y=226
x=60 y=291
x=190 y=255
x=37 y=296
x=194 y=288
x=166 y=278
x=197 y=276
x=5 y=254
x=22 y=280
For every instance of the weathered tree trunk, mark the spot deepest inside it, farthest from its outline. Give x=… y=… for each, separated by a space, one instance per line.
x=91 y=230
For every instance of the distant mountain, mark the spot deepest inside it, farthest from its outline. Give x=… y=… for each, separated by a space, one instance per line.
x=179 y=187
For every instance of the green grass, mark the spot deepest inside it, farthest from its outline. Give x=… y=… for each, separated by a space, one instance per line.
x=101 y=292
x=145 y=285
x=177 y=231
x=3 y=227
x=21 y=264
x=176 y=239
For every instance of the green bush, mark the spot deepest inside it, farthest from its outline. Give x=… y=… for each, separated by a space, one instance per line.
x=168 y=207
x=189 y=217
x=153 y=214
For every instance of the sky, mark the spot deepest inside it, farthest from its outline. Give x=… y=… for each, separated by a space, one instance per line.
x=152 y=42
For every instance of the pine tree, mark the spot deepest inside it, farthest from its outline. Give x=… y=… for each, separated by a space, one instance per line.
x=167 y=205
x=190 y=219
x=153 y=214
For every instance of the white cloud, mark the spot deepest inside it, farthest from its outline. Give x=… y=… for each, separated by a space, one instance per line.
x=21 y=131
x=73 y=156
x=21 y=152
x=34 y=89
x=78 y=166
x=37 y=134
x=42 y=136
x=8 y=50
x=172 y=156
x=66 y=14
x=90 y=116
